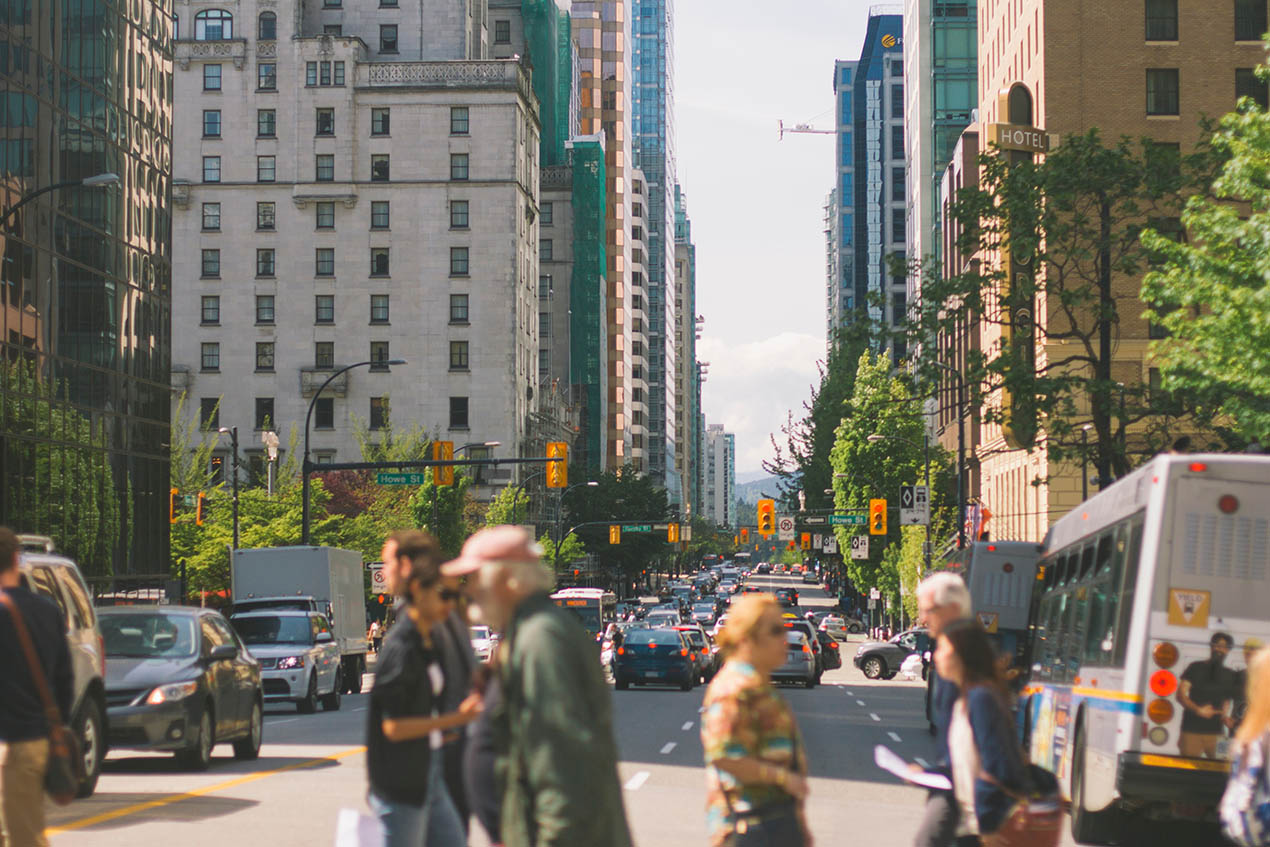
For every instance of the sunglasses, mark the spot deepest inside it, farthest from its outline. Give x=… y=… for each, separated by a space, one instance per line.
x=450 y=595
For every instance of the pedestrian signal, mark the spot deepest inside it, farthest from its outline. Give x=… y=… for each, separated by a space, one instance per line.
x=615 y=534
x=200 y=508
x=558 y=470
x=877 y=517
x=442 y=451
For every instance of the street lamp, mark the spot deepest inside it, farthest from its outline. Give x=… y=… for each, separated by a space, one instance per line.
x=560 y=513
x=306 y=467
x=436 y=489
x=876 y=437
x=520 y=489
x=232 y=432
x=1084 y=462
x=96 y=181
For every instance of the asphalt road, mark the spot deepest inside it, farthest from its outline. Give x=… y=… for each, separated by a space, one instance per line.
x=312 y=766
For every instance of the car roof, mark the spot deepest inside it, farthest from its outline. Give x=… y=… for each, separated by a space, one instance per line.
x=275 y=613
x=180 y=611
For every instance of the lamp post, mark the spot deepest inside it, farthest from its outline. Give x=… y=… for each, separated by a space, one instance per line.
x=436 y=489
x=97 y=181
x=1084 y=462
x=961 y=451
x=520 y=489
x=560 y=514
x=876 y=437
x=232 y=432
x=306 y=467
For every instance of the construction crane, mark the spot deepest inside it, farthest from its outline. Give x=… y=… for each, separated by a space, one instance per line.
x=804 y=129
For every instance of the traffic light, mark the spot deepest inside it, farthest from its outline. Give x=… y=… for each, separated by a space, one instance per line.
x=442 y=451
x=172 y=500
x=766 y=517
x=200 y=508
x=558 y=471
x=806 y=541
x=877 y=517
x=672 y=533
x=790 y=545
x=745 y=535
x=615 y=533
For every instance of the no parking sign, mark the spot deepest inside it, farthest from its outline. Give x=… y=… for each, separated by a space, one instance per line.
x=378 y=579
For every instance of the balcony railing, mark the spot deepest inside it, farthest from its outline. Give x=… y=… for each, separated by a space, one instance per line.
x=226 y=48
x=492 y=74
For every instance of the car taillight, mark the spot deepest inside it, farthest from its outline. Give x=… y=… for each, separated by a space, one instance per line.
x=833 y=645
x=621 y=651
x=1163 y=683
x=705 y=651
x=806 y=649
x=1160 y=711
x=1165 y=654
x=683 y=652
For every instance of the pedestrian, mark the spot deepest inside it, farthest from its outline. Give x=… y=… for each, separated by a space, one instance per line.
x=557 y=757
x=756 y=768
x=988 y=771
x=406 y=726
x=24 y=730
x=1205 y=693
x=1245 y=805
x=480 y=755
x=375 y=638
x=1239 y=685
x=942 y=598
x=458 y=661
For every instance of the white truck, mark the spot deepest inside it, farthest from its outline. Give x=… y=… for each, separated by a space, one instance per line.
x=321 y=579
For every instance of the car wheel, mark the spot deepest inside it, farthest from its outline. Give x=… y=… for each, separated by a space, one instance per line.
x=686 y=685
x=854 y=629
x=331 y=702
x=247 y=748
x=873 y=667
x=308 y=705
x=198 y=757
x=1090 y=827
x=88 y=730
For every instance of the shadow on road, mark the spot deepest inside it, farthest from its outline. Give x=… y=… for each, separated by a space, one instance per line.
x=221 y=766
x=167 y=807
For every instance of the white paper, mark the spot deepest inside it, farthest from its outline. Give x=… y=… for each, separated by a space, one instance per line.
x=354 y=829
x=888 y=761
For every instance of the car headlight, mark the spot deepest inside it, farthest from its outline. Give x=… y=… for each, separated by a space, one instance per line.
x=169 y=693
x=288 y=662
x=860 y=649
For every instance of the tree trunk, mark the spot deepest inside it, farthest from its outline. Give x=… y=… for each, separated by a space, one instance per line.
x=1101 y=405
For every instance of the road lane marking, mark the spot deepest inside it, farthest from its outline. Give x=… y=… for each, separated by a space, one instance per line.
x=920 y=761
x=667 y=747
x=127 y=811
x=895 y=736
x=859 y=702
x=637 y=781
x=687 y=726
x=850 y=693
x=284 y=720
x=874 y=716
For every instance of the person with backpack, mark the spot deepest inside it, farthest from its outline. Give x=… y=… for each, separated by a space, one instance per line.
x=1245 y=805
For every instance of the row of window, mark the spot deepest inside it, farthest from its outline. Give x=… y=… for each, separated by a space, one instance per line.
x=324 y=122
x=323 y=413
x=380 y=215
x=323 y=355
x=1164 y=89
x=1162 y=20
x=324 y=261
x=324 y=309
x=324 y=168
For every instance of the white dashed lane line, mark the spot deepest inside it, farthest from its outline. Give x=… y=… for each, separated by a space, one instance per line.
x=859 y=702
x=637 y=781
x=874 y=716
x=687 y=726
x=667 y=747
x=895 y=736
x=920 y=761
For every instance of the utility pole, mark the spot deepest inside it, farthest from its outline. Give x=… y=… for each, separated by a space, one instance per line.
x=232 y=432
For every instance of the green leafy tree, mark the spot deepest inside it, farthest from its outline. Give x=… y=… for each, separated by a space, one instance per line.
x=448 y=504
x=509 y=506
x=621 y=496
x=571 y=550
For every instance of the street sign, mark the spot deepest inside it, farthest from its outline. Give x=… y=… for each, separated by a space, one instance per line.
x=859 y=546
x=817 y=542
x=637 y=527
x=914 y=505
x=873 y=604
x=849 y=520
x=785 y=528
x=814 y=521
x=831 y=544
x=875 y=594
x=416 y=478
x=378 y=579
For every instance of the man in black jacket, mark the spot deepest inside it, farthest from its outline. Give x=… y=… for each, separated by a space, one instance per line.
x=24 y=743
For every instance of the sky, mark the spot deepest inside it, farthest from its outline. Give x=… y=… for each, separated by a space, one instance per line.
x=756 y=202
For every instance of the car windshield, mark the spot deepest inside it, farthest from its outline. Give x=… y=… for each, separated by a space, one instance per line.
x=695 y=638
x=795 y=637
x=703 y=607
x=273 y=629
x=148 y=635
x=660 y=637
x=479 y=633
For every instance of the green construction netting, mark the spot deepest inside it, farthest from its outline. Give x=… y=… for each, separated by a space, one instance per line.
x=587 y=323
x=547 y=33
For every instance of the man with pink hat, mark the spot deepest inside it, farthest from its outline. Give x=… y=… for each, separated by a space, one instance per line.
x=558 y=757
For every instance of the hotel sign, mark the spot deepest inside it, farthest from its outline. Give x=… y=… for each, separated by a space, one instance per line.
x=1026 y=139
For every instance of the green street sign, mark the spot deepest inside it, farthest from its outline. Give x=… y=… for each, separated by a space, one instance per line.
x=416 y=478
x=849 y=520
x=637 y=527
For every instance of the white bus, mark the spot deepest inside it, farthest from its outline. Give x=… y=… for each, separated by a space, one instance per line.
x=1132 y=586
x=596 y=607
x=1001 y=576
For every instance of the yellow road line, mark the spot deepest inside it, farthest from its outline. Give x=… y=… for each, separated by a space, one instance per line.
x=124 y=812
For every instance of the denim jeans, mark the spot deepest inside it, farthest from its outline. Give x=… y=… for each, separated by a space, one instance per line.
x=403 y=823
x=444 y=827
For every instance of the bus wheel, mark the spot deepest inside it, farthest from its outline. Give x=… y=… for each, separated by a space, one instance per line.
x=1090 y=827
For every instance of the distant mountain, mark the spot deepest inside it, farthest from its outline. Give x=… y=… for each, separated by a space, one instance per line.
x=754 y=490
x=751 y=476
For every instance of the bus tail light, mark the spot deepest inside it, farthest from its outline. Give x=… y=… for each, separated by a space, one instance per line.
x=1165 y=654
x=1160 y=711
x=1163 y=683
x=1197 y=467
x=621 y=651
x=1159 y=736
x=1228 y=504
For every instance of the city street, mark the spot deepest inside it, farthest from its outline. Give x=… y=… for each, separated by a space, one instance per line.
x=312 y=766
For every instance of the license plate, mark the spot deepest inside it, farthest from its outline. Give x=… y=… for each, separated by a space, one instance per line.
x=651 y=674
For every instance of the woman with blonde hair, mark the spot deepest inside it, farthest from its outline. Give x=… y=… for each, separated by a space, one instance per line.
x=756 y=769
x=1245 y=807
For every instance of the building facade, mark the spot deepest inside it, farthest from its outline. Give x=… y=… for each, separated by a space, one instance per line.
x=720 y=476
x=687 y=376
x=85 y=310
x=840 y=281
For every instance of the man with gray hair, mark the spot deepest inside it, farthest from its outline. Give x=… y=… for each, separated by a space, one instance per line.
x=942 y=598
x=557 y=757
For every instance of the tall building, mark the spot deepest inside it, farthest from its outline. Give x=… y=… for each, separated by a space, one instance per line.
x=840 y=281
x=85 y=310
x=387 y=209
x=687 y=375
x=1170 y=64
x=720 y=503
x=653 y=140
x=638 y=396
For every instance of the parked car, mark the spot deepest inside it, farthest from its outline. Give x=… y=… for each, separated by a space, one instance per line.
x=800 y=661
x=699 y=639
x=483 y=642
x=882 y=659
x=56 y=577
x=179 y=679
x=655 y=656
x=299 y=659
x=831 y=657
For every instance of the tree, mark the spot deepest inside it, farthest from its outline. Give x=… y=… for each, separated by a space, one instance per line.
x=509 y=506
x=621 y=496
x=571 y=549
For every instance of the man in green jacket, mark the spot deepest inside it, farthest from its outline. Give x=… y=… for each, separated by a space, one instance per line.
x=557 y=759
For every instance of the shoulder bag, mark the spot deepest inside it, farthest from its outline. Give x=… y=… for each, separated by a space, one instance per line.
x=66 y=762
x=1245 y=806
x=1037 y=817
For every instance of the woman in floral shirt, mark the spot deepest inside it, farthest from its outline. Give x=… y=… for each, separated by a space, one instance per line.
x=756 y=769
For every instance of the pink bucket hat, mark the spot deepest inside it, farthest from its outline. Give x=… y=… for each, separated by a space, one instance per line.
x=493 y=544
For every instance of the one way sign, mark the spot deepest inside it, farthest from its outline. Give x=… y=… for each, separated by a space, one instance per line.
x=914 y=504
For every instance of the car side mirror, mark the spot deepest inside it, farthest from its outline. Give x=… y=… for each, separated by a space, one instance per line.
x=325 y=638
x=222 y=652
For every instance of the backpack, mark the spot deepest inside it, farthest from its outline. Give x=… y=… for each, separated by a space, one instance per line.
x=1245 y=806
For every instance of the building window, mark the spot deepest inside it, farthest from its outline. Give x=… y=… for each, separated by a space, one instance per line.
x=502 y=32
x=325 y=261
x=210 y=360
x=324 y=413
x=211 y=217
x=458 y=166
x=211 y=263
x=546 y=250
x=211 y=77
x=379 y=355
x=379 y=261
x=379 y=214
x=379 y=413
x=380 y=121
x=458 y=413
x=1250 y=20
x=211 y=169
x=333 y=29
x=264 y=413
x=897 y=141
x=211 y=123
x=897 y=185
x=379 y=167
x=458 y=214
x=211 y=311
x=266 y=168
x=458 y=355
x=213 y=25
x=267 y=29
x=208 y=413
x=1247 y=85
x=546 y=214
x=267 y=76
x=325 y=121
x=324 y=309
x=1162 y=91
x=1161 y=20
x=265 y=261
x=458 y=309
x=325 y=167
x=339 y=73
x=387 y=38
x=311 y=72
x=266 y=216
x=458 y=120
x=897 y=100
x=324 y=355
x=264 y=308
x=379 y=308
x=325 y=215
x=264 y=355
x=458 y=261
x=898 y=233
x=332 y=4
x=266 y=123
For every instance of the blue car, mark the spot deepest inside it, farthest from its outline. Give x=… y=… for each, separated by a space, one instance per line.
x=655 y=657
